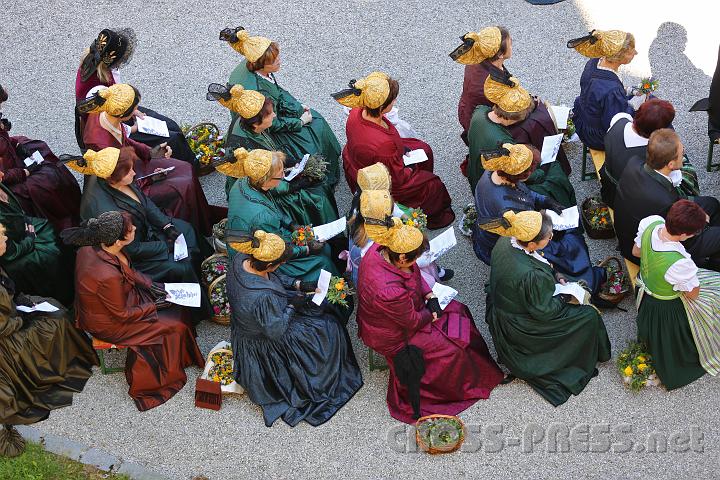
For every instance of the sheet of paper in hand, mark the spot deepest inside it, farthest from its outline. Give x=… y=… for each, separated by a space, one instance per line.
x=636 y=101
x=181 y=250
x=40 y=307
x=444 y=294
x=185 y=294
x=559 y=114
x=441 y=244
x=152 y=126
x=574 y=289
x=36 y=157
x=330 y=230
x=550 y=148
x=570 y=218
x=323 y=285
x=297 y=169
x=415 y=156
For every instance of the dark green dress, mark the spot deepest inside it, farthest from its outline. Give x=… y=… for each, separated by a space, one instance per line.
x=38 y=266
x=484 y=134
x=552 y=345
x=296 y=139
x=250 y=209
x=662 y=320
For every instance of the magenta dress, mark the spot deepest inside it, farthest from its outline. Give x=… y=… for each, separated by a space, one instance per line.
x=459 y=370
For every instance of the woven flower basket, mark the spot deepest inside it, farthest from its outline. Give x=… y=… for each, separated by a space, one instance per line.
x=595 y=231
x=448 y=438
x=208 y=268
x=207 y=168
x=614 y=297
x=222 y=317
x=218 y=233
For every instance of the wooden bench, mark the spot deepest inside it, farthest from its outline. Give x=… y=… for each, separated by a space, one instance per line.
x=632 y=270
x=100 y=347
x=375 y=363
x=598 y=159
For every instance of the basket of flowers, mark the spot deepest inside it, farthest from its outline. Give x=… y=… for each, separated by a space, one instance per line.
x=206 y=143
x=439 y=433
x=635 y=367
x=302 y=235
x=219 y=301
x=218 y=234
x=338 y=291
x=212 y=267
x=469 y=217
x=416 y=218
x=596 y=219
x=617 y=284
x=315 y=168
x=569 y=131
x=219 y=368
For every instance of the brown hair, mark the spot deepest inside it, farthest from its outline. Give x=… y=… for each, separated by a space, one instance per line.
x=266 y=58
x=127 y=225
x=662 y=148
x=504 y=44
x=685 y=217
x=126 y=160
x=394 y=91
x=409 y=256
x=250 y=123
x=521 y=177
x=653 y=115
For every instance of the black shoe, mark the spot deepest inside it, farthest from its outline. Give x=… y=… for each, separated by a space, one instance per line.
x=449 y=273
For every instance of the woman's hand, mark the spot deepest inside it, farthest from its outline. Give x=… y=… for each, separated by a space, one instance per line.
x=134 y=128
x=168 y=150
x=306 y=117
x=434 y=306
x=692 y=294
x=560 y=278
x=138 y=114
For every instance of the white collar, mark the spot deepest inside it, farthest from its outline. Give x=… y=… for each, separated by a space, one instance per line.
x=105 y=124
x=675 y=177
x=660 y=245
x=535 y=255
x=632 y=138
x=599 y=67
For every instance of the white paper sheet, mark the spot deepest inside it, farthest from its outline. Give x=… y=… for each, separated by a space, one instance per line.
x=297 y=169
x=570 y=218
x=329 y=230
x=550 y=148
x=571 y=288
x=415 y=156
x=152 y=126
x=40 y=307
x=323 y=285
x=444 y=293
x=440 y=245
x=181 y=250
x=186 y=294
x=36 y=157
x=560 y=114
x=636 y=101
x=396 y=211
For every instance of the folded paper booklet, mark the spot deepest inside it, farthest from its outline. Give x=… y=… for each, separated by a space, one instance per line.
x=559 y=114
x=574 y=289
x=297 y=169
x=186 y=294
x=330 y=230
x=440 y=245
x=181 y=249
x=570 y=218
x=36 y=157
x=40 y=307
x=550 y=148
x=415 y=156
x=323 y=285
x=152 y=126
x=444 y=294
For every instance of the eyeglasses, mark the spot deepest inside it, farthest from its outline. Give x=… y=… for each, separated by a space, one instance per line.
x=277 y=178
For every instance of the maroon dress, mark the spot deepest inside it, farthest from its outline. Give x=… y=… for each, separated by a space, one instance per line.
x=473 y=93
x=416 y=186
x=113 y=304
x=179 y=195
x=50 y=192
x=458 y=367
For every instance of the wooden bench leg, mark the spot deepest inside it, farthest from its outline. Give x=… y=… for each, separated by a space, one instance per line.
x=375 y=364
x=104 y=369
x=710 y=165
x=585 y=174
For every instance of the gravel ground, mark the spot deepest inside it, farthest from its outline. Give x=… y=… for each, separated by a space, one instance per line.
x=178 y=55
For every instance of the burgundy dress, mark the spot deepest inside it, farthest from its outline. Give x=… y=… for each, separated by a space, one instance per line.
x=179 y=195
x=473 y=93
x=113 y=304
x=50 y=192
x=416 y=186
x=458 y=367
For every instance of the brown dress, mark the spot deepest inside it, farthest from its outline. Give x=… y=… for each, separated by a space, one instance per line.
x=179 y=195
x=114 y=304
x=44 y=360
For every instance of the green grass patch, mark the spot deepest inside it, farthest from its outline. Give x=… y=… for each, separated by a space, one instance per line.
x=37 y=464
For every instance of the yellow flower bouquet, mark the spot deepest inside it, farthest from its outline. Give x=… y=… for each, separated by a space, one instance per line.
x=338 y=291
x=635 y=366
x=416 y=218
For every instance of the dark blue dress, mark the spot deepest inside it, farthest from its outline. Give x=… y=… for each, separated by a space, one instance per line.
x=296 y=365
x=567 y=251
x=602 y=95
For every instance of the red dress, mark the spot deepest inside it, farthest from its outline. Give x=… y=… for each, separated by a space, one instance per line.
x=369 y=143
x=113 y=304
x=458 y=367
x=50 y=192
x=179 y=195
x=473 y=93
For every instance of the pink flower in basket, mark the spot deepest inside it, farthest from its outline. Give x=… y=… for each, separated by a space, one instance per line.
x=216 y=309
x=221 y=268
x=616 y=288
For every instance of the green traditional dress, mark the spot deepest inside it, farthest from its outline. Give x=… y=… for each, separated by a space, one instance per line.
x=297 y=139
x=484 y=134
x=553 y=345
x=36 y=264
x=682 y=335
x=250 y=209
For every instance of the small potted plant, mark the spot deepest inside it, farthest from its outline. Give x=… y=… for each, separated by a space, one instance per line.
x=439 y=433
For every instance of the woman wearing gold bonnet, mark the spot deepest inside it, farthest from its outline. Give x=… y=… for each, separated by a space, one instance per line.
x=372 y=138
x=293 y=358
x=374 y=201
x=503 y=188
x=177 y=192
x=552 y=345
x=400 y=318
x=602 y=93
x=301 y=129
